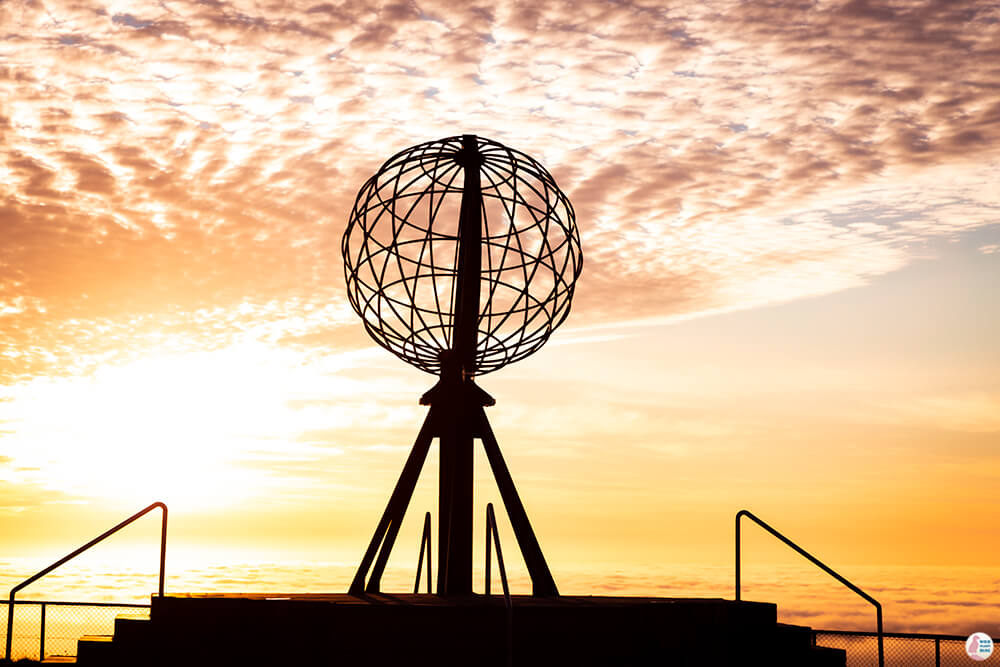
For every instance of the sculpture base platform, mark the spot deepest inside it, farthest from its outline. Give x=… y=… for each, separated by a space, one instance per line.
x=397 y=630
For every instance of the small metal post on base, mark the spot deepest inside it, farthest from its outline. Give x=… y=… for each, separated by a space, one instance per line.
x=41 y=636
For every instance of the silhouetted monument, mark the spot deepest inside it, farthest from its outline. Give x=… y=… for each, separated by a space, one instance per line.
x=461 y=256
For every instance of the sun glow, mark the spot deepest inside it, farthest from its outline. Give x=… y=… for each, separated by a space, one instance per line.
x=190 y=429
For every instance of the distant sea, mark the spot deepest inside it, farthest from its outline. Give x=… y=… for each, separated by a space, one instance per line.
x=948 y=600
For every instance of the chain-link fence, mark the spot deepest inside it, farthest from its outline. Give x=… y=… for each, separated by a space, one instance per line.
x=901 y=649
x=48 y=628
x=51 y=628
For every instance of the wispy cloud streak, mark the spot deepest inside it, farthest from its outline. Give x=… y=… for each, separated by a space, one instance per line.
x=188 y=167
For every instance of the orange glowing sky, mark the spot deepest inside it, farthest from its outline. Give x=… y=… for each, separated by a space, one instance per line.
x=791 y=229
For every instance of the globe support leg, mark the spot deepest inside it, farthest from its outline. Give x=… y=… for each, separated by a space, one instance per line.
x=542 y=583
x=388 y=527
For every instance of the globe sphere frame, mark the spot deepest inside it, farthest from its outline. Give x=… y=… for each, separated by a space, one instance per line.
x=403 y=251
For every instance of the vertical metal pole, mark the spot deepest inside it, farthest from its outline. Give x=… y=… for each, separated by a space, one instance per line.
x=163 y=547
x=486 y=584
x=10 y=624
x=445 y=493
x=456 y=484
x=455 y=508
x=41 y=638
x=881 y=647
x=937 y=652
x=738 y=516
x=470 y=249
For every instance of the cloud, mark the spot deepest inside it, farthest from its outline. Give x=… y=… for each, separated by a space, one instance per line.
x=961 y=412
x=170 y=164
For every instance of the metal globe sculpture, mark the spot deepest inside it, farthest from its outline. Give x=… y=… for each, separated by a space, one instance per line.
x=406 y=253
x=461 y=256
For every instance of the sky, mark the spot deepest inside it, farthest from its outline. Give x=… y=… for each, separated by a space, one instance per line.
x=791 y=235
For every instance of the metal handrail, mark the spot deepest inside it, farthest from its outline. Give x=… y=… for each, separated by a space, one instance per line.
x=892 y=635
x=425 y=539
x=106 y=534
x=491 y=532
x=70 y=603
x=814 y=561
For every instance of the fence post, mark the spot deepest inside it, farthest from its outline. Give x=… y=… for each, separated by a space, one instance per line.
x=10 y=626
x=738 y=515
x=41 y=637
x=881 y=635
x=937 y=652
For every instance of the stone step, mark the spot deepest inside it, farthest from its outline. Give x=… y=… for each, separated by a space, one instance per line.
x=825 y=656
x=794 y=636
x=794 y=646
x=132 y=627
x=94 y=649
x=206 y=631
